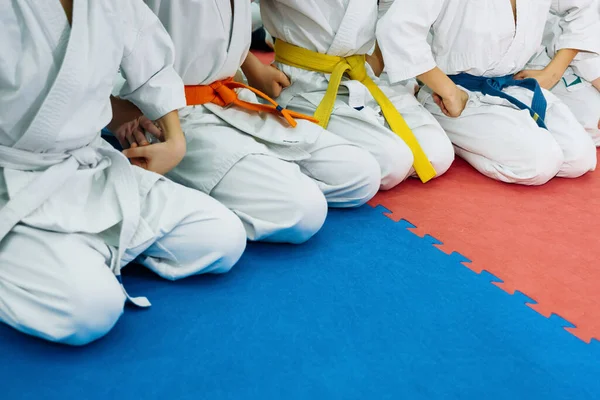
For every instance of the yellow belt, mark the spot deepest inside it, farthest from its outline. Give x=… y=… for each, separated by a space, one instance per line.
x=354 y=67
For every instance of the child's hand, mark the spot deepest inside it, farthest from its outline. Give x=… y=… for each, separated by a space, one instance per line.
x=159 y=157
x=545 y=77
x=265 y=78
x=164 y=156
x=268 y=80
x=549 y=76
x=133 y=132
x=450 y=98
x=453 y=105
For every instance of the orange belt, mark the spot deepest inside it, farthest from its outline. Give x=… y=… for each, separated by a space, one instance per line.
x=222 y=93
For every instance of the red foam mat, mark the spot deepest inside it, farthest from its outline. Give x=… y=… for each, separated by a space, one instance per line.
x=266 y=58
x=543 y=241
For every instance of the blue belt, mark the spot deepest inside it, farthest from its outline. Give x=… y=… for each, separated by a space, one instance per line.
x=494 y=86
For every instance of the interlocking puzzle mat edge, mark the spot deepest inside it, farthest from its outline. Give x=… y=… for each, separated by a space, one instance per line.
x=466 y=262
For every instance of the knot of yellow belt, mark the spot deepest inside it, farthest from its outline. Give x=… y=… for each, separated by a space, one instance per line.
x=358 y=70
x=222 y=93
x=354 y=67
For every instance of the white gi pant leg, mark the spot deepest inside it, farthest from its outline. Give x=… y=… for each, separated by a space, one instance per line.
x=430 y=134
x=368 y=129
x=283 y=201
x=59 y=287
x=274 y=199
x=506 y=144
x=428 y=131
x=194 y=233
x=584 y=103
x=347 y=174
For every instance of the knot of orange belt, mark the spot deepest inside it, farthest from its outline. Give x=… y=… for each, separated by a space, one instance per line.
x=354 y=67
x=222 y=93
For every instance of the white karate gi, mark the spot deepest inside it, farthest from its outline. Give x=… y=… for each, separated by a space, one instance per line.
x=479 y=37
x=277 y=179
x=344 y=28
x=96 y=212
x=256 y=18
x=574 y=89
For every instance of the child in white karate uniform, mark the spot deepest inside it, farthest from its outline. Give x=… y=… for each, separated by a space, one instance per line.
x=504 y=125
x=73 y=210
x=579 y=88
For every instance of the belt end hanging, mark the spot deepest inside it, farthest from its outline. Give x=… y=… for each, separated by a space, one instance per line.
x=425 y=171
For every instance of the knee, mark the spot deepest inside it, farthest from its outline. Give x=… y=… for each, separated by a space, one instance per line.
x=439 y=150
x=579 y=157
x=359 y=179
x=310 y=213
x=294 y=214
x=302 y=215
x=212 y=246
x=396 y=164
x=92 y=306
x=539 y=164
x=228 y=242
x=368 y=178
x=436 y=145
x=442 y=159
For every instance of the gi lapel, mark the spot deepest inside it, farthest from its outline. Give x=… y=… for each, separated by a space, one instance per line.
x=44 y=128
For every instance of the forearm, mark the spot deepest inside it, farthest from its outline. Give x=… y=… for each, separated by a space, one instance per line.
x=439 y=82
x=560 y=63
x=171 y=127
x=123 y=111
x=252 y=66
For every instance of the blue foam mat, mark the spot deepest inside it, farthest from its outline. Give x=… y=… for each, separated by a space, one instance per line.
x=366 y=310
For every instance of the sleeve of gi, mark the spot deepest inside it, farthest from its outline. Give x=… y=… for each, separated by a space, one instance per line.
x=402 y=36
x=588 y=68
x=152 y=83
x=579 y=26
x=384 y=6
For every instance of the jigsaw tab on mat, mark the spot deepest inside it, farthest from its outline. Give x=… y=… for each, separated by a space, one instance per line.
x=385 y=211
x=382 y=210
x=431 y=240
x=563 y=323
x=523 y=298
x=507 y=286
x=543 y=310
x=586 y=335
x=489 y=277
x=459 y=258
x=424 y=234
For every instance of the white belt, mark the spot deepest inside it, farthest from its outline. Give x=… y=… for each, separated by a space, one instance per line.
x=57 y=170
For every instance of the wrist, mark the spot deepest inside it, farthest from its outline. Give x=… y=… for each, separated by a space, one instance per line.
x=554 y=72
x=178 y=145
x=175 y=137
x=441 y=84
x=451 y=92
